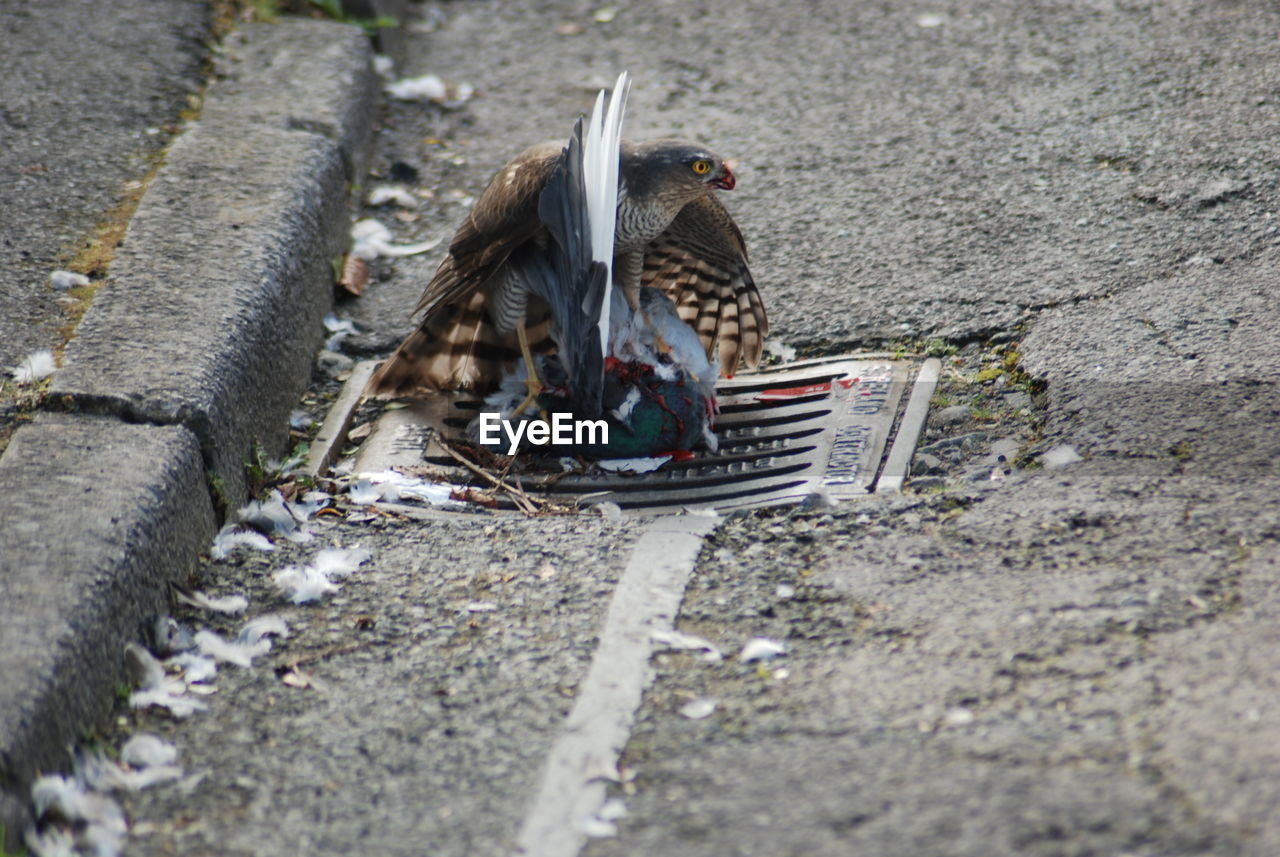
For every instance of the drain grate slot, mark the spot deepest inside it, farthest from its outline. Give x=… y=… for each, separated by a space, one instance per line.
x=683 y=481
x=774 y=419
x=786 y=433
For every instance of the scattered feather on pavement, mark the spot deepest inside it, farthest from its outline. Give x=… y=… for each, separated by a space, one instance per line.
x=609 y=511
x=698 y=709
x=59 y=797
x=195 y=668
x=273 y=516
x=601 y=823
x=166 y=636
x=52 y=842
x=339 y=329
x=362 y=493
x=340 y=562
x=371 y=239
x=268 y=624
x=145 y=750
x=234 y=536
x=381 y=194
x=672 y=640
x=179 y=706
x=392 y=486
x=227 y=604
x=65 y=280
x=761 y=649
x=211 y=643
x=1060 y=456
x=301 y=680
x=302 y=585
x=99 y=822
x=311 y=502
x=141 y=666
x=35 y=367
x=430 y=87
x=101 y=774
x=427 y=87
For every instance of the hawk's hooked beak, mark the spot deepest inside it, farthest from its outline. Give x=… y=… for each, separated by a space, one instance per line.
x=724 y=180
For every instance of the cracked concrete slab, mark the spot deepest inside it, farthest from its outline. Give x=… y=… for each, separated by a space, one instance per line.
x=1066 y=660
x=212 y=309
x=192 y=354
x=298 y=75
x=98 y=516
x=79 y=123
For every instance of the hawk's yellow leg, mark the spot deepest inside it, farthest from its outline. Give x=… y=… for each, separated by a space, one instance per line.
x=532 y=381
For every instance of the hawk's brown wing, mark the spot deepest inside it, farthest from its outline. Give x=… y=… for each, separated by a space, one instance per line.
x=503 y=218
x=700 y=262
x=456 y=343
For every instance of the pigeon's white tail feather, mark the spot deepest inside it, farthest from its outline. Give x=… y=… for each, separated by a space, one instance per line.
x=600 y=166
x=592 y=170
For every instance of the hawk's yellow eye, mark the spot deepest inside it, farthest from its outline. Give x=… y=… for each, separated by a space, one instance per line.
x=702 y=167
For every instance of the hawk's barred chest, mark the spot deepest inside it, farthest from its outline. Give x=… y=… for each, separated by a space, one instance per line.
x=640 y=221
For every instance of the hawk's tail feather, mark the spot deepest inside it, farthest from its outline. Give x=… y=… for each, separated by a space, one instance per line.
x=753 y=322
x=457 y=347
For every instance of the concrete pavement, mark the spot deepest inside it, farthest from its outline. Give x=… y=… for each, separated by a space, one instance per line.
x=1065 y=661
x=1059 y=661
x=90 y=94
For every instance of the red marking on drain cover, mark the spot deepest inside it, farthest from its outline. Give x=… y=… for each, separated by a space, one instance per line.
x=781 y=394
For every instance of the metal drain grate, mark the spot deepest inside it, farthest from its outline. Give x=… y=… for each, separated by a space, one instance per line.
x=786 y=433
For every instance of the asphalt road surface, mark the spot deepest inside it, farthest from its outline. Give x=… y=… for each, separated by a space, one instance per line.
x=1075 y=660
x=89 y=95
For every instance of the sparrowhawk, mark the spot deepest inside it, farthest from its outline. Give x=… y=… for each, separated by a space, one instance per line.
x=671 y=233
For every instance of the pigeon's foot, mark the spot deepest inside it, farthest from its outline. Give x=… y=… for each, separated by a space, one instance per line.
x=661 y=344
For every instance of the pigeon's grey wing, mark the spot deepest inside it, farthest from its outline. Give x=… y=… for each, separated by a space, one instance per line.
x=568 y=280
x=700 y=262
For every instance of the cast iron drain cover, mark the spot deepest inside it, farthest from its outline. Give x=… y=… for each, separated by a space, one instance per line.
x=786 y=433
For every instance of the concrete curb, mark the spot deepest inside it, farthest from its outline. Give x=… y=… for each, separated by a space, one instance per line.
x=225 y=273
x=195 y=349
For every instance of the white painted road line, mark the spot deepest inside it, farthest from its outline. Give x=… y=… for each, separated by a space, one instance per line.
x=646 y=600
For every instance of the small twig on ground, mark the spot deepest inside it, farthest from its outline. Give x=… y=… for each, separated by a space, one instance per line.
x=321 y=655
x=527 y=504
